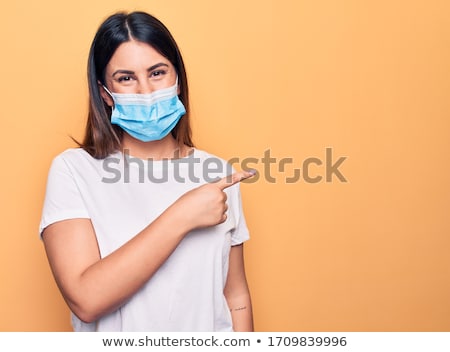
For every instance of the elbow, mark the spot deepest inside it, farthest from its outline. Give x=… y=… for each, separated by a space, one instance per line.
x=89 y=303
x=85 y=316
x=86 y=310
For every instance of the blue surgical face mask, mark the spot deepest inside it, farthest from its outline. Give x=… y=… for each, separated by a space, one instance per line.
x=147 y=117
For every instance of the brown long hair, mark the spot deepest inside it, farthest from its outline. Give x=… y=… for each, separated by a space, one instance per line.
x=101 y=137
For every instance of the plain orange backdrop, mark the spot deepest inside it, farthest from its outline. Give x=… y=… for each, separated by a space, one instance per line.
x=369 y=79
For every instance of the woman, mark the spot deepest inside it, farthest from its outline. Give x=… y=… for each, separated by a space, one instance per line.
x=137 y=235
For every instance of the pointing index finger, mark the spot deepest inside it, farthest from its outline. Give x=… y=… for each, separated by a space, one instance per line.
x=232 y=179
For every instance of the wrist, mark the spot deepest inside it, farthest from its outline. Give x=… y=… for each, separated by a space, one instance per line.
x=177 y=219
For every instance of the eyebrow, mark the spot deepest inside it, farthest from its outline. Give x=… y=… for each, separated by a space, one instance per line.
x=151 y=68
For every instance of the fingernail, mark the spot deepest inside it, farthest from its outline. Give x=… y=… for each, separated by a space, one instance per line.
x=252 y=171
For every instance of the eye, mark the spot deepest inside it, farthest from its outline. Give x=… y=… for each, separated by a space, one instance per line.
x=125 y=79
x=158 y=73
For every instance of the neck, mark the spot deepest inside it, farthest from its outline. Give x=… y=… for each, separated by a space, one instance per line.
x=166 y=148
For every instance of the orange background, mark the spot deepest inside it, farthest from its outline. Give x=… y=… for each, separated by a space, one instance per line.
x=370 y=79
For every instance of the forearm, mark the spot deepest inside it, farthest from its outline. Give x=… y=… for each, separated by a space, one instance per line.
x=237 y=293
x=241 y=312
x=106 y=284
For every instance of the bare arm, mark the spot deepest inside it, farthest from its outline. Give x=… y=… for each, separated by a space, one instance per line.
x=94 y=286
x=237 y=292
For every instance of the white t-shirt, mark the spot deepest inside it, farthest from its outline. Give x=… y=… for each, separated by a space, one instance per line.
x=121 y=195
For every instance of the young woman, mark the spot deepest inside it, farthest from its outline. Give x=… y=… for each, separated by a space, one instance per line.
x=144 y=232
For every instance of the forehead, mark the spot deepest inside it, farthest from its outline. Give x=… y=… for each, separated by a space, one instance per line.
x=134 y=55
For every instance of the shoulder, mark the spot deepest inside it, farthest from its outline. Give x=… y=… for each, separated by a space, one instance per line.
x=213 y=161
x=68 y=155
x=212 y=166
x=77 y=163
x=72 y=154
x=76 y=157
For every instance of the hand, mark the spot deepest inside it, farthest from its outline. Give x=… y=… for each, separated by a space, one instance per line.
x=206 y=205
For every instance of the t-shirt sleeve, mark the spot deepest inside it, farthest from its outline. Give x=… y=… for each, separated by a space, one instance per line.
x=240 y=233
x=63 y=199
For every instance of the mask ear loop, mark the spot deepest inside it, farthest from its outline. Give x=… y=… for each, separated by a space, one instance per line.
x=110 y=94
x=108 y=91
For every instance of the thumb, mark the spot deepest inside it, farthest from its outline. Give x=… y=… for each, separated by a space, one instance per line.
x=232 y=179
